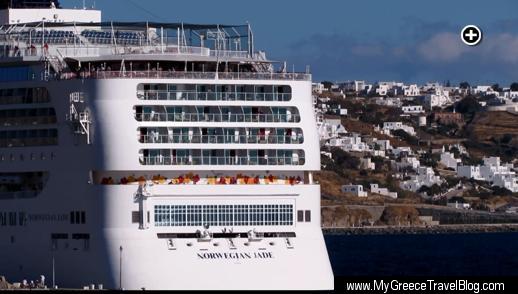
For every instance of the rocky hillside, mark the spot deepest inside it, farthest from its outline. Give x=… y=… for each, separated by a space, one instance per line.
x=493 y=124
x=493 y=133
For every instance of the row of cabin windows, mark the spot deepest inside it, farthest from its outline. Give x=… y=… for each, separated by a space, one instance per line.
x=32 y=156
x=24 y=96
x=28 y=116
x=17 y=73
x=224 y=215
x=34 y=137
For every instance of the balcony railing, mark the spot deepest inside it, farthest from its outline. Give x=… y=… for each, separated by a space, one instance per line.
x=221 y=139
x=212 y=96
x=188 y=75
x=213 y=160
x=215 y=117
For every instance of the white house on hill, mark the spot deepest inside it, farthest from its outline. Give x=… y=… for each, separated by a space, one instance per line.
x=356 y=190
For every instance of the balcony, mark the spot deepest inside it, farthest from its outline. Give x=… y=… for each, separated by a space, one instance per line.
x=221 y=160
x=212 y=96
x=221 y=139
x=217 y=117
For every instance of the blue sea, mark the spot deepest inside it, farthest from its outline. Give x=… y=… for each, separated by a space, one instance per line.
x=490 y=254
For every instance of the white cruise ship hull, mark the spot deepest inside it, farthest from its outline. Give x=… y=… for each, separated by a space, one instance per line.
x=122 y=253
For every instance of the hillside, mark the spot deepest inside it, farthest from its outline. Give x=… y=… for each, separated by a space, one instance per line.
x=493 y=133
x=493 y=124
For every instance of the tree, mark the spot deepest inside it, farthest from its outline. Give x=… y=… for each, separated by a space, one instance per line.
x=514 y=87
x=327 y=84
x=431 y=191
x=344 y=159
x=500 y=191
x=468 y=105
x=405 y=137
x=496 y=87
x=464 y=85
x=506 y=139
x=341 y=162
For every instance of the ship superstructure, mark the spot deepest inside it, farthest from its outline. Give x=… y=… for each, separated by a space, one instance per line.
x=153 y=155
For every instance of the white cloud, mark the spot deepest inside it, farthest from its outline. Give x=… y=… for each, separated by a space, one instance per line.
x=502 y=47
x=442 y=47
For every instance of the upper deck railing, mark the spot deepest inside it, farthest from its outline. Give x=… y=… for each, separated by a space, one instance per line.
x=85 y=50
x=187 y=75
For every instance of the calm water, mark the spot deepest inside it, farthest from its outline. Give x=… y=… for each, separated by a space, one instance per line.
x=494 y=254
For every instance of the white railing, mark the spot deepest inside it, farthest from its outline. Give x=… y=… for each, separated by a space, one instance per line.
x=212 y=96
x=150 y=74
x=95 y=50
x=216 y=117
x=221 y=139
x=214 y=160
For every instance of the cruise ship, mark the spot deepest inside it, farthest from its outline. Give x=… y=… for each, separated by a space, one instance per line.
x=153 y=156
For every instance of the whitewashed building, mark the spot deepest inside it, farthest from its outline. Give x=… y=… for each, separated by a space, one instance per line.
x=440 y=98
x=353 y=86
x=508 y=94
x=401 y=150
x=366 y=163
x=484 y=90
x=425 y=177
x=493 y=172
x=382 y=144
x=356 y=190
x=352 y=143
x=375 y=189
x=331 y=128
x=388 y=127
x=382 y=89
x=449 y=160
x=411 y=90
x=469 y=171
x=406 y=162
x=412 y=109
x=317 y=88
x=389 y=101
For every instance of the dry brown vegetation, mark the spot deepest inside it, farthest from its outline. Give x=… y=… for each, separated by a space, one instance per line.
x=341 y=216
x=400 y=215
x=487 y=125
x=493 y=133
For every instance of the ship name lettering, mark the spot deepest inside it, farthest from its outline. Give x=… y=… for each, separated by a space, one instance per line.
x=234 y=255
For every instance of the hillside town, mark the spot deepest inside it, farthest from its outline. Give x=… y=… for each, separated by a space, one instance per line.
x=425 y=146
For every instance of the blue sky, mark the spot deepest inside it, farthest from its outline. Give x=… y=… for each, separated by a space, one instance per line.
x=409 y=40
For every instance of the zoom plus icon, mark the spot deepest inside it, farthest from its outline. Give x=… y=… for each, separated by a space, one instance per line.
x=471 y=35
